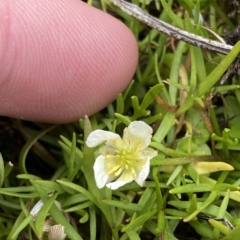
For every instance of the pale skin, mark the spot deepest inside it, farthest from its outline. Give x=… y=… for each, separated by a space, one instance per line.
x=61 y=59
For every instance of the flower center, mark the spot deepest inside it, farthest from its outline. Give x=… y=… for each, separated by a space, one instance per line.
x=125 y=160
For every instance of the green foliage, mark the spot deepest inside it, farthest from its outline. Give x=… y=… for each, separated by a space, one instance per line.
x=176 y=90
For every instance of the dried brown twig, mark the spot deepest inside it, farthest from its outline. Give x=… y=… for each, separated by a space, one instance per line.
x=170 y=30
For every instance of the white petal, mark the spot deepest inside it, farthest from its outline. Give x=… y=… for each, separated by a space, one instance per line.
x=107 y=150
x=99 y=136
x=139 y=135
x=101 y=177
x=48 y=224
x=147 y=153
x=56 y=232
x=119 y=182
x=143 y=174
x=141 y=129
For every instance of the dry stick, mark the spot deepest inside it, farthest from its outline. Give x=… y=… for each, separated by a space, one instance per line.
x=168 y=29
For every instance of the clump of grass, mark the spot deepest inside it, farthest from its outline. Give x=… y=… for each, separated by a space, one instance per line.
x=176 y=90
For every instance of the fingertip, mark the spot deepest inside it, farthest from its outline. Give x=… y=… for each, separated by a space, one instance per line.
x=67 y=60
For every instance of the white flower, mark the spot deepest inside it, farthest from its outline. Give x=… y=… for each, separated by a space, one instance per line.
x=56 y=232
x=48 y=224
x=122 y=160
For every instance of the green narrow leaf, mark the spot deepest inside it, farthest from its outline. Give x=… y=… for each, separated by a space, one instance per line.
x=152 y=119
x=21 y=226
x=42 y=214
x=28 y=177
x=71 y=162
x=150 y=95
x=123 y=119
x=202 y=229
x=85 y=216
x=147 y=201
x=225 y=187
x=93 y=222
x=193 y=204
x=28 y=145
x=124 y=205
x=177 y=20
x=7 y=169
x=161 y=224
x=166 y=125
x=158 y=188
x=17 y=222
x=206 y=203
x=174 y=174
x=2 y=172
x=202 y=187
x=218 y=225
x=192 y=173
x=215 y=75
x=10 y=205
x=133 y=235
x=211 y=79
x=52 y=186
x=57 y=215
x=120 y=104
x=234 y=234
x=67 y=145
x=78 y=189
x=140 y=220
